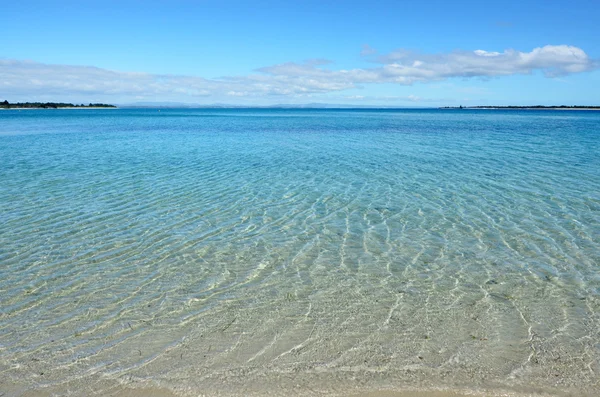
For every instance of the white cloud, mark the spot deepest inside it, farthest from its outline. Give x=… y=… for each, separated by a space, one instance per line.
x=237 y=93
x=28 y=79
x=552 y=60
x=486 y=53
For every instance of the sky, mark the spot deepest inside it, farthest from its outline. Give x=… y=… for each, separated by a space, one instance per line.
x=255 y=53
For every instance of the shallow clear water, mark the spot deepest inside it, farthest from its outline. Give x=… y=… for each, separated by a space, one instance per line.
x=306 y=251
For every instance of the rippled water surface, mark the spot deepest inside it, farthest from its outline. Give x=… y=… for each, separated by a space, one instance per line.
x=299 y=251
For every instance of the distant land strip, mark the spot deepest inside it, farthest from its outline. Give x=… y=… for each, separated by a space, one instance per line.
x=50 y=105
x=562 y=107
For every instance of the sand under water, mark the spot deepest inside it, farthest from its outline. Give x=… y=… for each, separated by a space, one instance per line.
x=299 y=252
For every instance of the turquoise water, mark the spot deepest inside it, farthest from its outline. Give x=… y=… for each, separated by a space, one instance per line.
x=299 y=251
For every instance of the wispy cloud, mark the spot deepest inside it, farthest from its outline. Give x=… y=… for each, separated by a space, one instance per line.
x=367 y=50
x=33 y=78
x=20 y=79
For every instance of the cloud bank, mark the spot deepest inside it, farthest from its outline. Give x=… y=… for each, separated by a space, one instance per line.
x=553 y=61
x=19 y=79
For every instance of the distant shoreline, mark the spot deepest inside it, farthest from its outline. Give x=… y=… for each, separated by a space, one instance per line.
x=523 y=107
x=52 y=105
x=68 y=108
x=30 y=106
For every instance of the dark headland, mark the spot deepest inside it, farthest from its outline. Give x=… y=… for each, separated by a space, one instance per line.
x=50 y=105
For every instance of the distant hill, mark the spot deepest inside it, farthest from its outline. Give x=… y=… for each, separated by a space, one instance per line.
x=276 y=106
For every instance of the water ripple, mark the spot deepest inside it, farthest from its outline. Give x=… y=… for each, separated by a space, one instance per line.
x=223 y=250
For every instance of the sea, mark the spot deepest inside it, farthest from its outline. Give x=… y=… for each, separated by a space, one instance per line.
x=241 y=252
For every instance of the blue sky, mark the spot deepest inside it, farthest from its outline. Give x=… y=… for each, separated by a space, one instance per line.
x=389 y=53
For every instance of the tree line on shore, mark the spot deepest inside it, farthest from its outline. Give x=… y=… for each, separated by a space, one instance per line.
x=50 y=105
